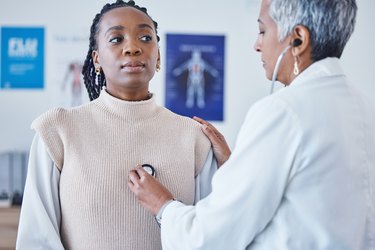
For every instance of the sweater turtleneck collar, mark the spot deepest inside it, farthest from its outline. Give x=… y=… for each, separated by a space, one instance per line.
x=131 y=111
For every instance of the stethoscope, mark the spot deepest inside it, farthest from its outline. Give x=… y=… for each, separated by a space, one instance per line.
x=296 y=42
x=149 y=169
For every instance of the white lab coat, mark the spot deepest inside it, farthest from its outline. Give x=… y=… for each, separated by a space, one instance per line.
x=301 y=176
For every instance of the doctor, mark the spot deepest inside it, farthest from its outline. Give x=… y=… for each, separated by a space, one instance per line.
x=302 y=173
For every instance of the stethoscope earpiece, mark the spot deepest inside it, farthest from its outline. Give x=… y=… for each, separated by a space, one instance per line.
x=297 y=42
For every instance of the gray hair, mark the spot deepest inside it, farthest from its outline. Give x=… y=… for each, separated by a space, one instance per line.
x=330 y=22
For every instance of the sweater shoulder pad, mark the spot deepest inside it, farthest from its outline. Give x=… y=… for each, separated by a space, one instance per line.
x=202 y=143
x=47 y=126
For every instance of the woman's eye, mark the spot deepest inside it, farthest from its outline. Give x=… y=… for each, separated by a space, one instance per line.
x=116 y=39
x=261 y=32
x=146 y=38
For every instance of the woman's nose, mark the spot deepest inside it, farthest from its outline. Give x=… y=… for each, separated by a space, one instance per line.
x=131 y=49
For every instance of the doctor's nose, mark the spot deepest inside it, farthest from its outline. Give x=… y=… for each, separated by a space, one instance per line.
x=257 y=45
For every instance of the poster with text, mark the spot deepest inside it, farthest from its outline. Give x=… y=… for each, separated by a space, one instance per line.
x=195 y=75
x=22 y=58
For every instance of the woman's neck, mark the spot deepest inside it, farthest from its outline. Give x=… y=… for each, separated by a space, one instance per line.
x=131 y=96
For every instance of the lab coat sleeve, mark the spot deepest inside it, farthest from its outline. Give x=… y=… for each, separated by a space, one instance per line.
x=204 y=178
x=246 y=190
x=40 y=212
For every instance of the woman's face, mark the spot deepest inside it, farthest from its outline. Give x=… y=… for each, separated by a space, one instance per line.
x=270 y=48
x=127 y=51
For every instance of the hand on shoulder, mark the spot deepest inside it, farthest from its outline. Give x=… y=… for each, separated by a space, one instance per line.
x=219 y=144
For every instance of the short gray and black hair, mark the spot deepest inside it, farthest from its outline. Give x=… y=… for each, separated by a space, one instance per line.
x=330 y=22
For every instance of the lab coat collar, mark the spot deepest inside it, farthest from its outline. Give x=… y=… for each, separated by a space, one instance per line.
x=329 y=66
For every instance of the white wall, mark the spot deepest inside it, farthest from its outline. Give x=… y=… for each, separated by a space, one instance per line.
x=237 y=20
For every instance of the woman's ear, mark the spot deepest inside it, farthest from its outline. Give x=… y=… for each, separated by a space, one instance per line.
x=300 y=40
x=95 y=58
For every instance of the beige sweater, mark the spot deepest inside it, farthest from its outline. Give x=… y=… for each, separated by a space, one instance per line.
x=95 y=145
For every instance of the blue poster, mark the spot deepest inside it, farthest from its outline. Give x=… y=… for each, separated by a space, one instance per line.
x=22 y=57
x=195 y=75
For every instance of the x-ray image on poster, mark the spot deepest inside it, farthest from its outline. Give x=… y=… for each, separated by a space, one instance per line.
x=195 y=75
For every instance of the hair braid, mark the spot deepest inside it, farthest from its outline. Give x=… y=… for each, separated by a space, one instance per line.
x=95 y=83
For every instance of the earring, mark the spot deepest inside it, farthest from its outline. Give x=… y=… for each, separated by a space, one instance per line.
x=97 y=71
x=295 y=70
x=98 y=76
x=157 y=67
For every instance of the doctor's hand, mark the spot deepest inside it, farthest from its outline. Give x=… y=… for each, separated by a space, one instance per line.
x=150 y=193
x=219 y=144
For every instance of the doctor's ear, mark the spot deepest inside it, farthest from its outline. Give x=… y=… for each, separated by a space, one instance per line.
x=300 y=40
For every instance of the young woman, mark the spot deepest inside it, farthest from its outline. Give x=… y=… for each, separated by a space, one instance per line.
x=76 y=194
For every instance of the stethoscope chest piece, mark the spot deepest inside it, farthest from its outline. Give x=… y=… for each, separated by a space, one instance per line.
x=149 y=169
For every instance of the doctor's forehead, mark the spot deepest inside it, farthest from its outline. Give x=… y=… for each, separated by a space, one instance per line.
x=264 y=16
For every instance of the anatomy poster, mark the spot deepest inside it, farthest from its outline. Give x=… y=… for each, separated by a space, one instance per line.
x=68 y=50
x=195 y=75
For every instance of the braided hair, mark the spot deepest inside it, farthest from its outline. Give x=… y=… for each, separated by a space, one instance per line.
x=94 y=81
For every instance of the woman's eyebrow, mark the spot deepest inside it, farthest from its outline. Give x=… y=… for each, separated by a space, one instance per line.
x=117 y=27
x=120 y=27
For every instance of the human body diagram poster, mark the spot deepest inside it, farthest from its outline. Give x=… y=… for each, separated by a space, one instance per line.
x=195 y=75
x=69 y=50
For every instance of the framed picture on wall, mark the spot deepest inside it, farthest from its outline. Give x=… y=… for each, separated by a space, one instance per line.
x=22 y=58
x=195 y=75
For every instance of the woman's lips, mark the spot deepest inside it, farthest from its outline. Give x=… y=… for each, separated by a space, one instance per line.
x=133 y=67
